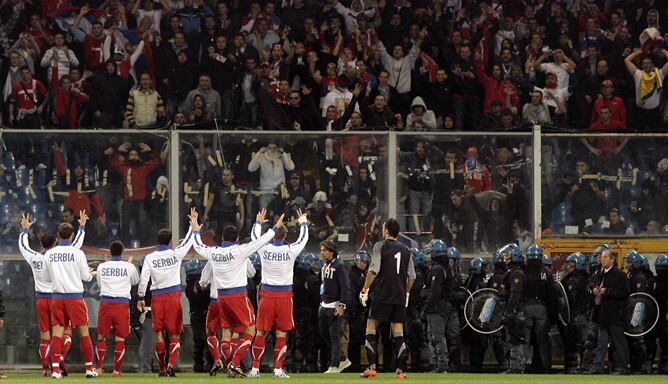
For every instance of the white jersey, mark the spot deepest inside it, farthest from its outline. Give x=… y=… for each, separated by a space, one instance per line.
x=43 y=283
x=228 y=261
x=115 y=278
x=67 y=268
x=163 y=267
x=278 y=260
x=206 y=279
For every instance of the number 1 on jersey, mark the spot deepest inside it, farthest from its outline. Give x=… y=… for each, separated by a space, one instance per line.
x=397 y=257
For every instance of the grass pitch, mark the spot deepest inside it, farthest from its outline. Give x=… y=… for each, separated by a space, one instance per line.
x=348 y=378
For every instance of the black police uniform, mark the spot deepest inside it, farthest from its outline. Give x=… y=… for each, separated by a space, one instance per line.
x=576 y=335
x=439 y=285
x=661 y=295
x=416 y=324
x=453 y=324
x=476 y=342
x=498 y=339
x=199 y=299
x=356 y=318
x=538 y=297
x=514 y=282
x=638 y=282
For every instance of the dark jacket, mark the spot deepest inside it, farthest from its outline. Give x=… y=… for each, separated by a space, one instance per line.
x=109 y=94
x=335 y=282
x=612 y=303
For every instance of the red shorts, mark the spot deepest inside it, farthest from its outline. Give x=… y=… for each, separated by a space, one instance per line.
x=274 y=310
x=43 y=305
x=235 y=310
x=114 y=315
x=213 y=318
x=69 y=311
x=166 y=313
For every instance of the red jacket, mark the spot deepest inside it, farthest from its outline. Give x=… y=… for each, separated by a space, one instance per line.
x=134 y=178
x=78 y=201
x=93 y=52
x=606 y=144
x=494 y=90
x=617 y=109
x=63 y=101
x=479 y=179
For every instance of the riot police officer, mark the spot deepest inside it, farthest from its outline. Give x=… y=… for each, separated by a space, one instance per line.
x=638 y=282
x=513 y=283
x=661 y=292
x=198 y=299
x=458 y=299
x=306 y=298
x=415 y=323
x=477 y=342
x=357 y=312
x=575 y=334
x=496 y=282
x=652 y=336
x=592 y=336
x=438 y=288
x=538 y=295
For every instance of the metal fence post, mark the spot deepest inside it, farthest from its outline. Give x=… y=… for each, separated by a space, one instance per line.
x=392 y=171
x=537 y=193
x=174 y=186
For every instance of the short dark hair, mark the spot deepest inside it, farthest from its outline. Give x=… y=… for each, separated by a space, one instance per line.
x=330 y=245
x=69 y=210
x=392 y=227
x=65 y=231
x=164 y=236
x=116 y=248
x=281 y=233
x=230 y=233
x=48 y=240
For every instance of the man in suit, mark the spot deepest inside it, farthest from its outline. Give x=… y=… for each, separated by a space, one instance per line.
x=611 y=291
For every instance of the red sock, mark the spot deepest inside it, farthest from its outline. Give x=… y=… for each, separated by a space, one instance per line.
x=227 y=351
x=235 y=342
x=44 y=352
x=119 y=351
x=55 y=347
x=160 y=354
x=246 y=341
x=101 y=349
x=174 y=349
x=86 y=348
x=212 y=342
x=280 y=349
x=258 y=350
x=66 y=341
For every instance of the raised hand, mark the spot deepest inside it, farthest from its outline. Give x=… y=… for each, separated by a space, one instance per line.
x=261 y=216
x=279 y=222
x=194 y=223
x=83 y=218
x=25 y=221
x=302 y=217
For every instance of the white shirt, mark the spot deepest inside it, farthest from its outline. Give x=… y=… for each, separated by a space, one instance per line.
x=278 y=259
x=67 y=268
x=206 y=279
x=43 y=283
x=227 y=261
x=116 y=277
x=163 y=267
x=562 y=71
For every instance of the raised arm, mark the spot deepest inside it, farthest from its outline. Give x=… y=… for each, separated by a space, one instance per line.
x=628 y=61
x=24 y=245
x=298 y=246
x=255 y=245
x=81 y=233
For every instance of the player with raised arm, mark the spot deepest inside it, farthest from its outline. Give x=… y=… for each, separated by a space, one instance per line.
x=44 y=286
x=228 y=262
x=163 y=268
x=275 y=306
x=388 y=283
x=67 y=269
x=115 y=278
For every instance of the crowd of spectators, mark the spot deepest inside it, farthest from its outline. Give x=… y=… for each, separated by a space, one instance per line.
x=362 y=65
